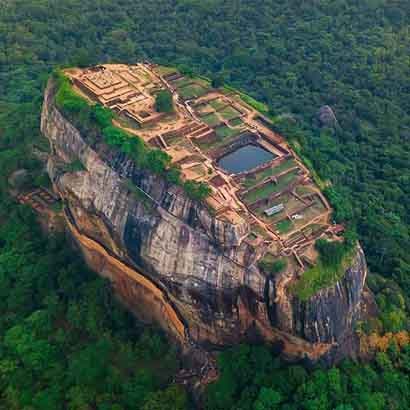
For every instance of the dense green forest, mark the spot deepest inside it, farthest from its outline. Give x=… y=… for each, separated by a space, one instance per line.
x=253 y=379
x=65 y=341
x=294 y=55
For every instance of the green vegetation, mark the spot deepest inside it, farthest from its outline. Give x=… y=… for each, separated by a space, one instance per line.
x=67 y=99
x=257 y=105
x=65 y=341
x=217 y=104
x=271 y=187
x=392 y=304
x=284 y=226
x=197 y=190
x=57 y=206
x=271 y=265
x=308 y=164
x=163 y=101
x=211 y=119
x=226 y=132
x=250 y=181
x=331 y=253
x=236 y=122
x=203 y=81
x=254 y=378
x=163 y=70
x=261 y=192
x=94 y=120
x=192 y=90
x=334 y=258
x=217 y=81
x=75 y=166
x=285 y=165
x=224 y=136
x=182 y=82
x=139 y=194
x=229 y=113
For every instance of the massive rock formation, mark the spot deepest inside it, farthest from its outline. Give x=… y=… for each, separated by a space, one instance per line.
x=170 y=260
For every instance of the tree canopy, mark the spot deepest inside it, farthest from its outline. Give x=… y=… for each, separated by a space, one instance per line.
x=163 y=101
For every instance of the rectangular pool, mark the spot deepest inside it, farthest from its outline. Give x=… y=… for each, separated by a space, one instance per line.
x=245 y=159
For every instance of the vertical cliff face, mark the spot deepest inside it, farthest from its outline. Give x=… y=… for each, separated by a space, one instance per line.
x=126 y=218
x=331 y=315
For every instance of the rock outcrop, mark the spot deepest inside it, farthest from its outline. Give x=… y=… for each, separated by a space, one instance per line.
x=326 y=116
x=170 y=260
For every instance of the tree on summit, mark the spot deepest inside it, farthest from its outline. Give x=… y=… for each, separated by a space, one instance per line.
x=163 y=101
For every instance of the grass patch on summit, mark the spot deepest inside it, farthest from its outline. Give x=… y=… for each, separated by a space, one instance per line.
x=270 y=188
x=334 y=260
x=211 y=119
x=192 y=90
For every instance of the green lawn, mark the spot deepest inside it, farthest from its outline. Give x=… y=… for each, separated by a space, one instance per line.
x=270 y=188
x=204 y=83
x=284 y=166
x=204 y=109
x=211 y=119
x=249 y=181
x=286 y=179
x=320 y=276
x=236 y=122
x=217 y=104
x=224 y=136
x=225 y=131
x=284 y=226
x=192 y=91
x=229 y=113
x=182 y=82
x=261 y=192
x=256 y=178
x=163 y=70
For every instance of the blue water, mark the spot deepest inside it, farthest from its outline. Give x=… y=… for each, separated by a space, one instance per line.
x=244 y=159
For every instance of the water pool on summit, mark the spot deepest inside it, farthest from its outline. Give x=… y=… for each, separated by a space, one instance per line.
x=244 y=159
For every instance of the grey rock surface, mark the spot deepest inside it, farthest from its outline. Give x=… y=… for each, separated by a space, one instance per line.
x=326 y=116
